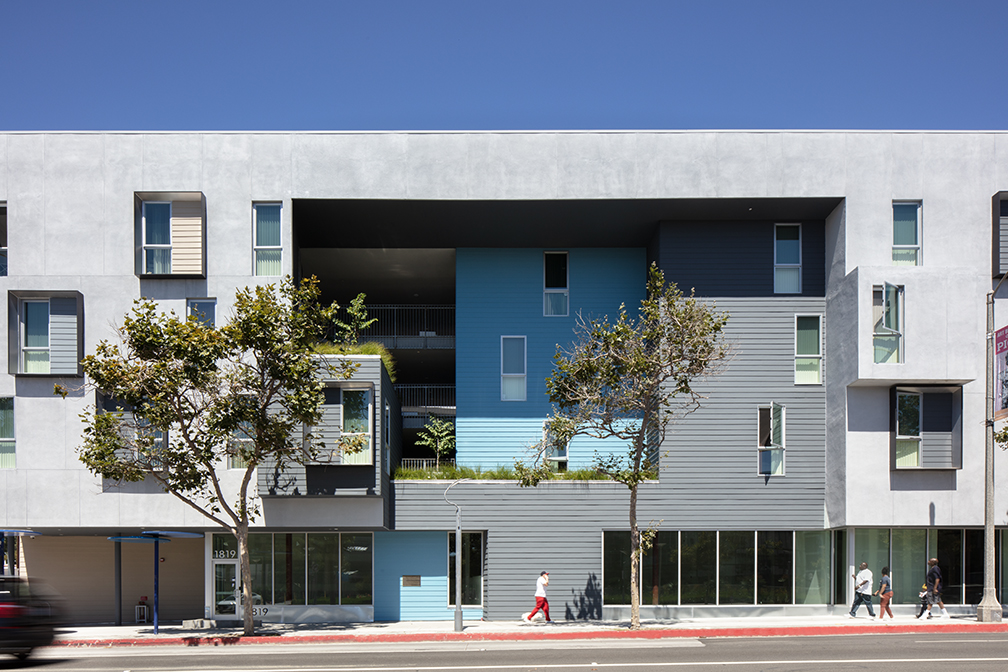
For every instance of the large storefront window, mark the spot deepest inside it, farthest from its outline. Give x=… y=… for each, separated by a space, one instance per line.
x=735 y=552
x=947 y=546
x=871 y=545
x=699 y=567
x=909 y=565
x=660 y=570
x=472 y=569
x=812 y=567
x=297 y=569
x=774 y=555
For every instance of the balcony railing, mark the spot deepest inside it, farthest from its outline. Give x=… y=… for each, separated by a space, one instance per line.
x=425 y=462
x=410 y=327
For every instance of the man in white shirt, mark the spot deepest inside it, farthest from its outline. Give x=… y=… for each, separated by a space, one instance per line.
x=540 y=596
x=862 y=590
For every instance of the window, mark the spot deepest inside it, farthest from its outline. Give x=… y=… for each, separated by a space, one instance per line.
x=787 y=259
x=44 y=333
x=240 y=443
x=356 y=422
x=887 y=316
x=926 y=427
x=268 y=250
x=472 y=569
x=150 y=445
x=387 y=440
x=908 y=439
x=808 y=350
x=3 y=239
x=170 y=234
x=7 y=456
x=556 y=450
x=906 y=234
x=204 y=310
x=771 y=440
x=513 y=368
x=555 y=279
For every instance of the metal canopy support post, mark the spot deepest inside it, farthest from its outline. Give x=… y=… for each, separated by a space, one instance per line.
x=157 y=562
x=118 y=583
x=989 y=610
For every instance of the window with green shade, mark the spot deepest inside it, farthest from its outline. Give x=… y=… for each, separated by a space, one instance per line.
x=774 y=560
x=7 y=455
x=906 y=234
x=812 y=567
x=698 y=567
x=356 y=421
x=887 y=316
x=908 y=425
x=871 y=545
x=909 y=564
x=736 y=558
x=35 y=345
x=808 y=349
x=787 y=259
x=268 y=248
x=472 y=569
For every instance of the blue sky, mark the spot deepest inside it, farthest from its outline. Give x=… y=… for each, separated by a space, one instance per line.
x=376 y=65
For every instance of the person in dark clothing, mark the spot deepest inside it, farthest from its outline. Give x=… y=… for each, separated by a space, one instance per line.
x=934 y=588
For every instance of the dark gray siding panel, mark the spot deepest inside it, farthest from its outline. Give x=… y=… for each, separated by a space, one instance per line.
x=735 y=258
x=939 y=421
x=63 y=336
x=709 y=458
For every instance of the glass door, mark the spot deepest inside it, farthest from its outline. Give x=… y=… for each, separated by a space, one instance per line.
x=226 y=587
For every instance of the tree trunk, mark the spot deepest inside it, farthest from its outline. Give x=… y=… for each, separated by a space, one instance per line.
x=635 y=562
x=245 y=571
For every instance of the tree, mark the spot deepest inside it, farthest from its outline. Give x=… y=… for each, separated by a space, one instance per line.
x=439 y=436
x=628 y=380
x=178 y=398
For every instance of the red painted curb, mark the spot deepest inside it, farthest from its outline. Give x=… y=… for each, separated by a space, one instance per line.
x=700 y=633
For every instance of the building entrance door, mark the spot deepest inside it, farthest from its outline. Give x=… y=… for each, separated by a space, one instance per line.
x=227 y=588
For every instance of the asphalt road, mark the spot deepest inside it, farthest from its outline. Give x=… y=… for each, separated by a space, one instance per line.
x=952 y=652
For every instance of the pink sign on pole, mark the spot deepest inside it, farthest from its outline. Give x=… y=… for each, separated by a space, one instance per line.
x=1001 y=374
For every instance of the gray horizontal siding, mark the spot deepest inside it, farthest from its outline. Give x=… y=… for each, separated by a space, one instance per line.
x=709 y=458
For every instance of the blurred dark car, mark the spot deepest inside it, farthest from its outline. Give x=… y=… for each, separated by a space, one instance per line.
x=27 y=615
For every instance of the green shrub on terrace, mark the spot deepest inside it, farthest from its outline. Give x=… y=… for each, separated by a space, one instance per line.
x=451 y=473
x=368 y=348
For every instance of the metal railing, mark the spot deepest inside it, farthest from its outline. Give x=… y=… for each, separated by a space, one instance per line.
x=425 y=462
x=436 y=399
x=409 y=327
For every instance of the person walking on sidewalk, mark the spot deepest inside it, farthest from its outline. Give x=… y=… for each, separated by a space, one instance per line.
x=540 y=597
x=862 y=590
x=885 y=594
x=934 y=587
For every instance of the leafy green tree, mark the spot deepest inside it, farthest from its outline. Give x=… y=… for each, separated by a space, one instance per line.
x=628 y=380
x=349 y=332
x=439 y=436
x=181 y=398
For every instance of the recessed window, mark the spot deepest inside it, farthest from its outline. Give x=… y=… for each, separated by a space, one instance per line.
x=268 y=249
x=170 y=234
x=926 y=429
x=513 y=368
x=771 y=440
x=204 y=310
x=7 y=455
x=808 y=350
x=45 y=333
x=787 y=259
x=241 y=443
x=887 y=318
x=556 y=450
x=906 y=250
x=555 y=287
x=150 y=445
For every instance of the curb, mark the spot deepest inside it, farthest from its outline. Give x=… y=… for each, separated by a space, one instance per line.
x=665 y=633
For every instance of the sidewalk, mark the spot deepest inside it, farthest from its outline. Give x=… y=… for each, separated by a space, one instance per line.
x=443 y=631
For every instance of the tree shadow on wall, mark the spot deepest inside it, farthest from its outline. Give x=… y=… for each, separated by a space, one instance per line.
x=586 y=605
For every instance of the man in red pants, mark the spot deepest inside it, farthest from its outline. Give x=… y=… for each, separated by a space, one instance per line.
x=540 y=595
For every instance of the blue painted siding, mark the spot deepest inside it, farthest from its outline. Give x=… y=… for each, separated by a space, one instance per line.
x=499 y=292
x=424 y=554
x=498 y=441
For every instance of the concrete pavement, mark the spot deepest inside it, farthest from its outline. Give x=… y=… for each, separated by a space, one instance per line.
x=443 y=631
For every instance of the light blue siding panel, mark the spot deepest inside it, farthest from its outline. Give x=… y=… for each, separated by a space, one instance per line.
x=63 y=335
x=499 y=292
x=423 y=554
